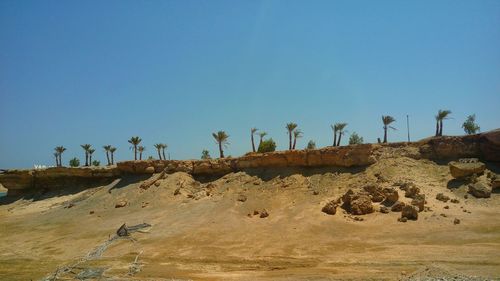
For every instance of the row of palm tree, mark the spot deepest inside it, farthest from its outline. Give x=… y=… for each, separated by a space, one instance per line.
x=338 y=128
x=160 y=147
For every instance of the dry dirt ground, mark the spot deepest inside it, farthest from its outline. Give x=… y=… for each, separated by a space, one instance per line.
x=201 y=231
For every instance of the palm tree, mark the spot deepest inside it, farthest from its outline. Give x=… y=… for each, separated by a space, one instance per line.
x=296 y=134
x=56 y=155
x=141 y=150
x=86 y=148
x=335 y=129
x=262 y=135
x=107 y=148
x=135 y=141
x=290 y=128
x=221 y=138
x=253 y=131
x=112 y=152
x=90 y=151
x=163 y=147
x=340 y=129
x=387 y=120
x=158 y=147
x=59 y=151
x=442 y=114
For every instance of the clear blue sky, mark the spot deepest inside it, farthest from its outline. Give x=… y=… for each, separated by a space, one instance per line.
x=99 y=72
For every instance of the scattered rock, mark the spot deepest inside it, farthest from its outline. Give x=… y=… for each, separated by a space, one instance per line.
x=121 y=203
x=495 y=183
x=456 y=221
x=443 y=215
x=402 y=219
x=177 y=191
x=315 y=192
x=264 y=214
x=412 y=191
x=242 y=198
x=466 y=196
x=398 y=206
x=419 y=201
x=464 y=168
x=375 y=192
x=144 y=204
x=409 y=212
x=69 y=206
x=91 y=212
x=442 y=197
x=255 y=212
x=157 y=183
x=122 y=231
x=455 y=201
x=391 y=195
x=361 y=205
x=479 y=190
x=446 y=207
x=384 y=210
x=358 y=219
x=330 y=208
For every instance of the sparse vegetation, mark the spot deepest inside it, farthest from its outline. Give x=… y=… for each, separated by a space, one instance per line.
x=387 y=120
x=96 y=163
x=141 y=149
x=90 y=152
x=106 y=149
x=262 y=135
x=75 y=162
x=58 y=155
x=205 y=154
x=112 y=152
x=296 y=134
x=442 y=115
x=470 y=127
x=135 y=141
x=311 y=145
x=355 y=139
x=221 y=138
x=267 y=146
x=86 y=148
x=290 y=127
x=252 y=133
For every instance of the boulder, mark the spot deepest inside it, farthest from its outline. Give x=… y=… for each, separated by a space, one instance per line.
x=375 y=192
x=149 y=170
x=412 y=191
x=391 y=195
x=398 y=206
x=409 y=212
x=361 y=205
x=330 y=208
x=419 y=202
x=442 y=197
x=479 y=190
x=264 y=214
x=495 y=184
x=242 y=198
x=384 y=210
x=465 y=168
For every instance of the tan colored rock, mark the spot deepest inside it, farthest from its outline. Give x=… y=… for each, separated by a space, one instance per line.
x=464 y=169
x=330 y=208
x=479 y=190
x=149 y=170
x=120 y=204
x=409 y=212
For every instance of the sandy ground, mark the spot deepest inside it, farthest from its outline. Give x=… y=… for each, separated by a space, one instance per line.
x=205 y=233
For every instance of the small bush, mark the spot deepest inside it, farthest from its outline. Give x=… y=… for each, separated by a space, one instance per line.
x=205 y=154
x=75 y=162
x=311 y=145
x=96 y=163
x=355 y=139
x=267 y=146
x=470 y=126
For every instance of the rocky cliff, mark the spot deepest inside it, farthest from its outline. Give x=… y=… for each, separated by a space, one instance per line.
x=485 y=146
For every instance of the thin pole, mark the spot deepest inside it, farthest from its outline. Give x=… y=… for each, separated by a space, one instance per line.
x=408 y=126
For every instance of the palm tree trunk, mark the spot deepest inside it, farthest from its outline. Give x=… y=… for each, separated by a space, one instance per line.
x=340 y=136
x=90 y=159
x=159 y=154
x=294 y=142
x=220 y=150
x=140 y=155
x=437 y=128
x=440 y=127
x=60 y=159
x=260 y=142
x=290 y=140
x=334 y=138
x=112 y=158
x=253 y=144
x=163 y=152
x=385 y=134
x=86 y=159
x=135 y=152
x=107 y=157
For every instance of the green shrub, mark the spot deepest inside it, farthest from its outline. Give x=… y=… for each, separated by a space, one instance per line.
x=267 y=146
x=205 y=154
x=75 y=162
x=96 y=163
x=470 y=126
x=355 y=139
x=311 y=145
